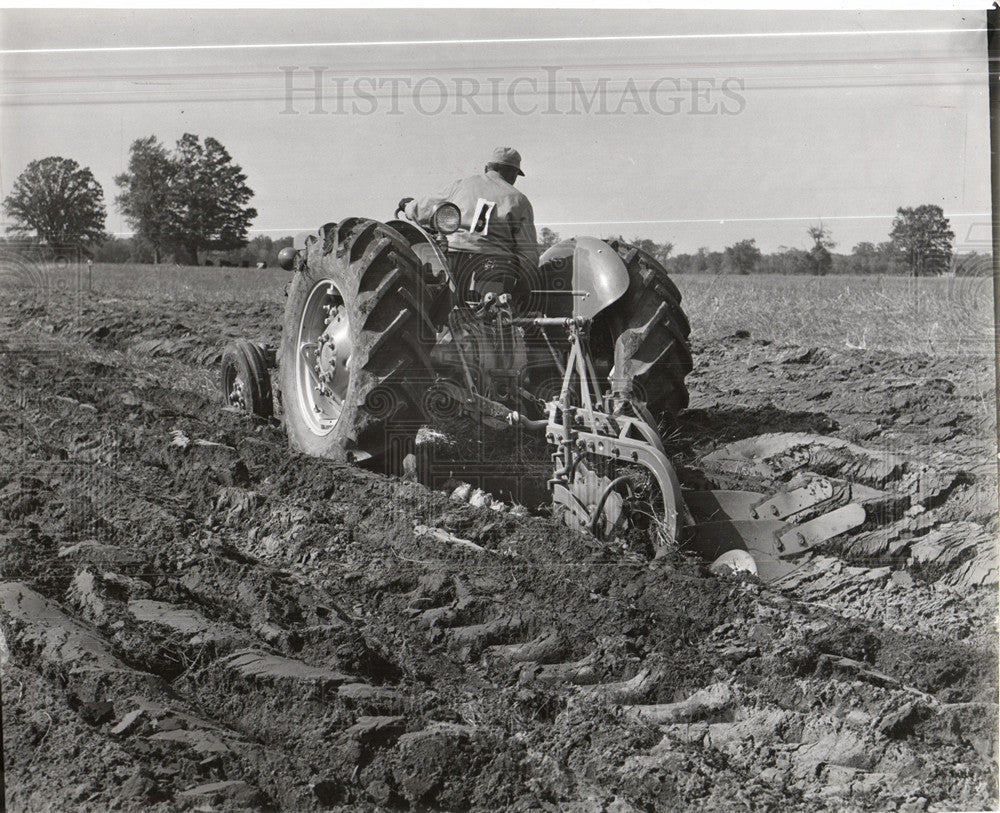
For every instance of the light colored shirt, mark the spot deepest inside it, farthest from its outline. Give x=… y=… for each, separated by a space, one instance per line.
x=496 y=218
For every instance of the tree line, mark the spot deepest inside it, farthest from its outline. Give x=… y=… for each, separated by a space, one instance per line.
x=920 y=244
x=259 y=251
x=193 y=199
x=179 y=202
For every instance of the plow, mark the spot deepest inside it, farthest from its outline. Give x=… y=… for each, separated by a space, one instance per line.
x=613 y=476
x=386 y=329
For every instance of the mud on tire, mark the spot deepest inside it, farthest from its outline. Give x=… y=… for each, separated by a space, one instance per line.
x=365 y=273
x=652 y=355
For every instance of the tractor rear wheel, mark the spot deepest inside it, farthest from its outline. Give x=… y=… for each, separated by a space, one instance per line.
x=354 y=358
x=650 y=333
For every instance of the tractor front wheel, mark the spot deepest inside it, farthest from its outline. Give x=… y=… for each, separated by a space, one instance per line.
x=244 y=379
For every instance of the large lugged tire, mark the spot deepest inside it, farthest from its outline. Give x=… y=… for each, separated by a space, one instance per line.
x=355 y=343
x=650 y=331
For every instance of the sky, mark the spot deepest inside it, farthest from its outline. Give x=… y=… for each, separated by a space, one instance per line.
x=698 y=128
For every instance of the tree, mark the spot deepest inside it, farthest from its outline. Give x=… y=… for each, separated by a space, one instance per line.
x=866 y=258
x=743 y=256
x=659 y=251
x=681 y=264
x=189 y=200
x=715 y=262
x=821 y=236
x=114 y=250
x=60 y=201
x=210 y=197
x=547 y=238
x=263 y=249
x=892 y=260
x=146 y=197
x=923 y=235
x=785 y=261
x=974 y=264
x=819 y=254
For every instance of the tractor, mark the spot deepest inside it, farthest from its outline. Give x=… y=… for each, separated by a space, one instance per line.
x=385 y=327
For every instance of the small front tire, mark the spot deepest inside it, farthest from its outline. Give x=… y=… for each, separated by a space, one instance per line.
x=244 y=379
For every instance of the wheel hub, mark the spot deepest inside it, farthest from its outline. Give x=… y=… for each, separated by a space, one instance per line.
x=333 y=355
x=237 y=393
x=324 y=357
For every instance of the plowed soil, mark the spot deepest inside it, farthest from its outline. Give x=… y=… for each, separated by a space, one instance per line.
x=196 y=619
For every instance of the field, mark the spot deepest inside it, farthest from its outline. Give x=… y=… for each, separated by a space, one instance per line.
x=927 y=315
x=197 y=619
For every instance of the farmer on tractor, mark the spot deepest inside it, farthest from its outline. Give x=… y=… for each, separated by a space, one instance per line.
x=495 y=246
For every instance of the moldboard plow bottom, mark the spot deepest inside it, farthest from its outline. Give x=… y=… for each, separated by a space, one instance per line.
x=774 y=530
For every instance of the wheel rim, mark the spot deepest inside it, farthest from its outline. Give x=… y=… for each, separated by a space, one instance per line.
x=323 y=351
x=236 y=388
x=634 y=503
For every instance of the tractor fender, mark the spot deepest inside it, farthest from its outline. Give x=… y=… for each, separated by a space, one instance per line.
x=581 y=276
x=424 y=246
x=600 y=278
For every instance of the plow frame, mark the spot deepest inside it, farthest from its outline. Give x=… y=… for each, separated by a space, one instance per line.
x=599 y=426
